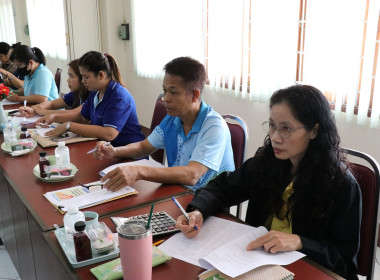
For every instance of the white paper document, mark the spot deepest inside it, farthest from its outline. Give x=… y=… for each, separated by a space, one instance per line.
x=221 y=244
x=83 y=198
x=7 y=102
x=142 y=162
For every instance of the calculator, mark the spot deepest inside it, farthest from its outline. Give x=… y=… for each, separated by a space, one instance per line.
x=161 y=223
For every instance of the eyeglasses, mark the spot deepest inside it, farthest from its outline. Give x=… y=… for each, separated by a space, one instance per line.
x=284 y=131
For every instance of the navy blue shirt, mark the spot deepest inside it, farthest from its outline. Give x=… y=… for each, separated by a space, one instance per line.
x=117 y=109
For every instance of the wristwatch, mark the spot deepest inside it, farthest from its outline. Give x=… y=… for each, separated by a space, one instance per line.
x=68 y=126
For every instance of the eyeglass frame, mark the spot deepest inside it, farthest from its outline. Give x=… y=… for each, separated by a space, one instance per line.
x=280 y=131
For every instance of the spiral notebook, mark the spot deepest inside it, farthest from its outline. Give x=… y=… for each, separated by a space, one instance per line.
x=265 y=272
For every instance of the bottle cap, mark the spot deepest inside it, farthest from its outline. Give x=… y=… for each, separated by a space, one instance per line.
x=80 y=226
x=23 y=128
x=72 y=209
x=61 y=144
x=42 y=154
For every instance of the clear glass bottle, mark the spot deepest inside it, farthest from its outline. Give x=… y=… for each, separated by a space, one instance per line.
x=62 y=154
x=10 y=137
x=82 y=243
x=42 y=163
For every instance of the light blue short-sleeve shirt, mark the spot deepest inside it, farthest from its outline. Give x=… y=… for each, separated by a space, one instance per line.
x=41 y=83
x=208 y=142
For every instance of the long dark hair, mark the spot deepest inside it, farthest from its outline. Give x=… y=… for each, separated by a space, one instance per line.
x=319 y=171
x=82 y=93
x=95 y=61
x=23 y=53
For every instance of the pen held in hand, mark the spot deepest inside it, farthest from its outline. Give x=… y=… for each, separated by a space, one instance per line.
x=96 y=148
x=183 y=211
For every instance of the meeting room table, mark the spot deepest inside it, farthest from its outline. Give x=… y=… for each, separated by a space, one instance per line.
x=175 y=268
x=25 y=213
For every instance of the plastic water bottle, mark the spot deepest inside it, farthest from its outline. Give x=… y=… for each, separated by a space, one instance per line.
x=72 y=216
x=10 y=137
x=62 y=154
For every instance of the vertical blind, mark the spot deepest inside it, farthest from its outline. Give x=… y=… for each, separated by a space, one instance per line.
x=47 y=27
x=7 y=26
x=163 y=30
x=252 y=47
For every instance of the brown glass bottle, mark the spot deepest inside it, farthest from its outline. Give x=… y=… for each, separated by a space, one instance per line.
x=82 y=242
x=24 y=133
x=42 y=163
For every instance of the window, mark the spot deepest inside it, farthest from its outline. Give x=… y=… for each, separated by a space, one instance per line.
x=252 y=47
x=47 y=27
x=7 y=26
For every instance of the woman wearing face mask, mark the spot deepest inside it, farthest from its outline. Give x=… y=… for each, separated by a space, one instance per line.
x=11 y=76
x=109 y=112
x=71 y=100
x=39 y=85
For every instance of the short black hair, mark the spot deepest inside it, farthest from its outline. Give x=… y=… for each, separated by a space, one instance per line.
x=190 y=70
x=4 y=48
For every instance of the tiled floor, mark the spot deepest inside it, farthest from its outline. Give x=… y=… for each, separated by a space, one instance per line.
x=8 y=271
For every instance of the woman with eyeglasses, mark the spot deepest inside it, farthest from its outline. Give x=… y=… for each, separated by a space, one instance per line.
x=39 y=85
x=298 y=186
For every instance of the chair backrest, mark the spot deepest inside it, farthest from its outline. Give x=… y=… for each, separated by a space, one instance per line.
x=57 y=79
x=239 y=137
x=369 y=182
x=159 y=114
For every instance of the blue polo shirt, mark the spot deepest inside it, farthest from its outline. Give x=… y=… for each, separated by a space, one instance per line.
x=117 y=109
x=69 y=99
x=208 y=142
x=41 y=83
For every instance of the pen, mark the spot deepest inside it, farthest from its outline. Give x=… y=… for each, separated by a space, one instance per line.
x=158 y=243
x=183 y=211
x=96 y=148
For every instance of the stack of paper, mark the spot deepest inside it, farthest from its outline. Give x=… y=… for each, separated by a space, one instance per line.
x=265 y=272
x=221 y=244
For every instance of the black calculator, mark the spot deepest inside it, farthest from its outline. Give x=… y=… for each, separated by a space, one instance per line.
x=162 y=222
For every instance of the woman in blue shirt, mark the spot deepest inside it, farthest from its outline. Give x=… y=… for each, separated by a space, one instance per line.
x=109 y=112
x=39 y=84
x=72 y=100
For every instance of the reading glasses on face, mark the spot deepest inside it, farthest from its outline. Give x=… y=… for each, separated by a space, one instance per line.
x=284 y=132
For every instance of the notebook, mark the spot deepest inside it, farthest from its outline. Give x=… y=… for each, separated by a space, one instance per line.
x=265 y=272
x=112 y=270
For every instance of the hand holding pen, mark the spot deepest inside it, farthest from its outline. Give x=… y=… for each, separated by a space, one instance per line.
x=188 y=223
x=103 y=150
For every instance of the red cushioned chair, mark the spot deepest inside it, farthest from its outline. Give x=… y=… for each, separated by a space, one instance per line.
x=159 y=114
x=239 y=138
x=369 y=182
x=57 y=79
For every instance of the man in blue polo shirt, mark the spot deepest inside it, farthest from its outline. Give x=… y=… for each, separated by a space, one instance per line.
x=196 y=138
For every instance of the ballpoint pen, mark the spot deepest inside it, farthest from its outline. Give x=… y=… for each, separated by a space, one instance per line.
x=183 y=211
x=96 y=148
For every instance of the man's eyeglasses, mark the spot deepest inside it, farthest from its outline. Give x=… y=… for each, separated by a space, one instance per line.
x=284 y=131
